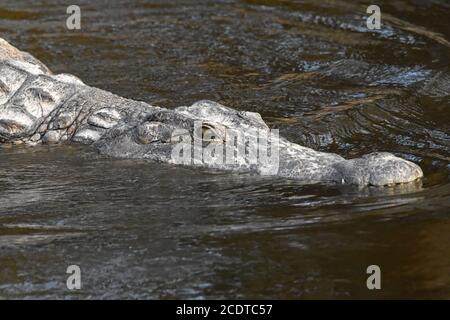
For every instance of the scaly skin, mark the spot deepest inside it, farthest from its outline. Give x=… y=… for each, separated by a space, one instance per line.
x=39 y=107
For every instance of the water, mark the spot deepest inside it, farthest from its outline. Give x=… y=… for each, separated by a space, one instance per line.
x=144 y=230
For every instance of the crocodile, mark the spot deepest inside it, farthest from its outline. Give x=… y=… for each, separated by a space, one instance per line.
x=39 y=107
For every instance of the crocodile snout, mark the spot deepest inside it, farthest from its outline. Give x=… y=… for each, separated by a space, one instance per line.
x=377 y=169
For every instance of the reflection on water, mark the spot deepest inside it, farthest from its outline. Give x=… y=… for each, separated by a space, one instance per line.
x=144 y=230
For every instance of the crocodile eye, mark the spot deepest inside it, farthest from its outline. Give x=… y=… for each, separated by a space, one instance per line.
x=150 y=132
x=213 y=132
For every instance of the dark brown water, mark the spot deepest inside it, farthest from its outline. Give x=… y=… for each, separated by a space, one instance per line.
x=313 y=70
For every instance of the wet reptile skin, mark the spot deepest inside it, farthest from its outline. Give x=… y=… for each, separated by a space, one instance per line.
x=37 y=106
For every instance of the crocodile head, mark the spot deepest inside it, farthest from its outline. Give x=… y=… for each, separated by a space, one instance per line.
x=179 y=136
x=202 y=134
